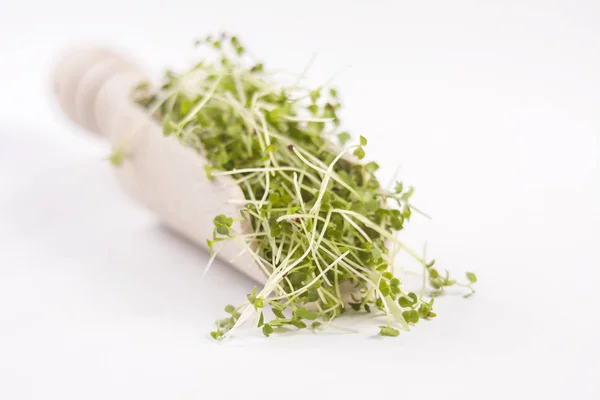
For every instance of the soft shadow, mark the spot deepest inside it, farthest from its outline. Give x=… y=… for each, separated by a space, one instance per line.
x=92 y=236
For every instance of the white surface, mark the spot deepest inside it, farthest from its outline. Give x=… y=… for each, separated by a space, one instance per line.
x=492 y=110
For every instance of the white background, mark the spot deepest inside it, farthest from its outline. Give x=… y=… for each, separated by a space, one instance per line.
x=490 y=107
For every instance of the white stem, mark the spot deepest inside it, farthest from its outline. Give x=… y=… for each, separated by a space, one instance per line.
x=363 y=233
x=199 y=106
x=308 y=285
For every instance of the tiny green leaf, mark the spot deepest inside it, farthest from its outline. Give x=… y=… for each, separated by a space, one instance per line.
x=298 y=324
x=223 y=230
x=278 y=313
x=311 y=315
x=261 y=320
x=210 y=244
x=267 y=330
x=167 y=125
x=371 y=167
x=388 y=331
x=471 y=277
x=344 y=137
x=230 y=309
x=396 y=223
x=404 y=302
x=185 y=107
x=359 y=152
x=413 y=297
x=301 y=312
x=252 y=296
x=398 y=188
x=406 y=315
x=312 y=297
x=259 y=302
x=437 y=282
x=414 y=316
x=314 y=95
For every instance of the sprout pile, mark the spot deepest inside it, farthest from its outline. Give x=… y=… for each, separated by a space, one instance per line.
x=323 y=229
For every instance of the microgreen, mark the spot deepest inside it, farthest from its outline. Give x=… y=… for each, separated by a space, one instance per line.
x=320 y=220
x=388 y=331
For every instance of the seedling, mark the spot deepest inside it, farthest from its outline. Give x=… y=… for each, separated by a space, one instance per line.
x=322 y=225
